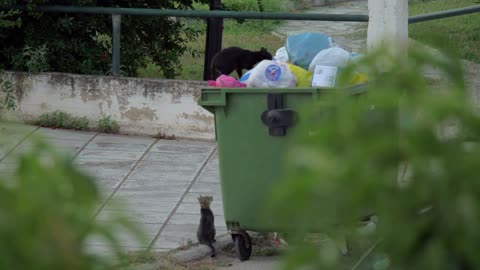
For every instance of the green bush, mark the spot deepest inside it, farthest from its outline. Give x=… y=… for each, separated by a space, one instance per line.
x=32 y=59
x=46 y=210
x=107 y=125
x=405 y=150
x=10 y=99
x=58 y=119
x=79 y=43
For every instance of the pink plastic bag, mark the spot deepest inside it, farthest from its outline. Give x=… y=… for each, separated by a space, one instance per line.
x=226 y=81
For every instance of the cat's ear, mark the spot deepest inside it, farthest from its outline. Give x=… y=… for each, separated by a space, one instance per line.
x=263 y=49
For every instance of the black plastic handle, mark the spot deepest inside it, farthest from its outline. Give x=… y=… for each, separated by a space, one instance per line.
x=276 y=118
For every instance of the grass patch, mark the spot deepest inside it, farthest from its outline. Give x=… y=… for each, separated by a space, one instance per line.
x=64 y=120
x=462 y=32
x=59 y=119
x=107 y=125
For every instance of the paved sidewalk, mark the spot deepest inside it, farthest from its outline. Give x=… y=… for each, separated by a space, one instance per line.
x=158 y=179
x=349 y=35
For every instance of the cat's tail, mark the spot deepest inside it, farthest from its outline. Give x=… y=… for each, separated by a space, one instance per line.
x=212 y=248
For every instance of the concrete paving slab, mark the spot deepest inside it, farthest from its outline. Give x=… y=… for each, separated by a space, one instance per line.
x=117 y=143
x=180 y=158
x=65 y=134
x=66 y=143
x=182 y=146
x=15 y=130
x=11 y=135
x=45 y=158
x=7 y=167
x=27 y=146
x=118 y=203
x=144 y=179
x=126 y=238
x=153 y=184
x=134 y=215
x=104 y=173
x=150 y=195
x=107 y=184
x=194 y=208
x=191 y=197
x=122 y=139
x=185 y=231
x=189 y=219
x=207 y=188
x=210 y=174
x=258 y=263
x=183 y=174
x=166 y=166
x=105 y=169
x=109 y=155
x=107 y=164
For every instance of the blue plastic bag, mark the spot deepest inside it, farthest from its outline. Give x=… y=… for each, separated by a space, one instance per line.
x=302 y=48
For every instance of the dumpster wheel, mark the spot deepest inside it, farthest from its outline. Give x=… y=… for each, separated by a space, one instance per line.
x=243 y=245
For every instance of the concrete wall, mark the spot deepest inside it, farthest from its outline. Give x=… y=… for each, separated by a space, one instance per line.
x=140 y=106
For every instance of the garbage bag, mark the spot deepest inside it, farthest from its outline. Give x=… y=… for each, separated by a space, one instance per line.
x=358 y=78
x=281 y=55
x=226 y=81
x=335 y=57
x=303 y=47
x=269 y=73
x=304 y=77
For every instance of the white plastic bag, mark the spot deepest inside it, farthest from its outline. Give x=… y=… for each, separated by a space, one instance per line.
x=269 y=73
x=281 y=55
x=335 y=57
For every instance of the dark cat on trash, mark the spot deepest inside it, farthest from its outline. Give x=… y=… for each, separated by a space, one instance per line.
x=206 y=228
x=235 y=58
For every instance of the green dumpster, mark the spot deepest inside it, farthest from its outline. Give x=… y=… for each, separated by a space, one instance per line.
x=252 y=126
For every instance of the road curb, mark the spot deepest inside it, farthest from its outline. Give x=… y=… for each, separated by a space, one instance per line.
x=198 y=251
x=192 y=253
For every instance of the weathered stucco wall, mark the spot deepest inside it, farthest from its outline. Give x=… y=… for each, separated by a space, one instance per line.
x=140 y=106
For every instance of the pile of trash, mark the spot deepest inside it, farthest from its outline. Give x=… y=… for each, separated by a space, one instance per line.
x=307 y=60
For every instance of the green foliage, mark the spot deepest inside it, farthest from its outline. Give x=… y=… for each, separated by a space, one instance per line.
x=6 y=20
x=397 y=150
x=107 y=125
x=60 y=119
x=32 y=59
x=77 y=43
x=10 y=99
x=46 y=210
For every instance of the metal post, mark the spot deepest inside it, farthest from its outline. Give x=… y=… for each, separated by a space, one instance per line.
x=214 y=38
x=116 y=24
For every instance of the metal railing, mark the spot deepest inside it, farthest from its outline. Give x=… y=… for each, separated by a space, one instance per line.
x=117 y=12
x=444 y=14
